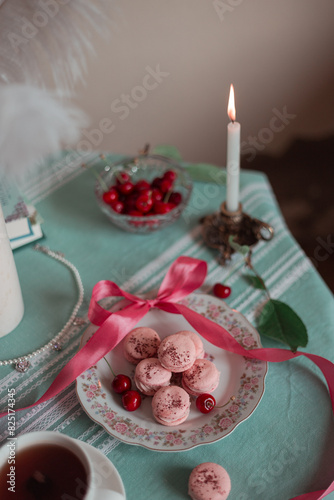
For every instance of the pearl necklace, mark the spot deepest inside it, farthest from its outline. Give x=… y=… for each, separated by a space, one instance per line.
x=22 y=363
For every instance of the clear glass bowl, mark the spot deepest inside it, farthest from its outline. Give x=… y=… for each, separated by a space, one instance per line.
x=147 y=168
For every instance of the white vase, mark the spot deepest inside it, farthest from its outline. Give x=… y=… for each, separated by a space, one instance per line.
x=11 y=302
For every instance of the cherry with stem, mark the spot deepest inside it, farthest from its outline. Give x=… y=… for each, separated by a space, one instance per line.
x=206 y=403
x=120 y=383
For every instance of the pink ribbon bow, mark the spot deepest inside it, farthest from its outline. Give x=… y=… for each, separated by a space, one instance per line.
x=184 y=276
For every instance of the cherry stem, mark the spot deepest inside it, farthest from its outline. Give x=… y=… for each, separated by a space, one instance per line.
x=248 y=261
x=145 y=150
x=118 y=176
x=167 y=195
x=112 y=371
x=233 y=268
x=232 y=398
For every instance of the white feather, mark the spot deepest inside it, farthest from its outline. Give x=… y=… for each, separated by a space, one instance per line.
x=33 y=124
x=36 y=34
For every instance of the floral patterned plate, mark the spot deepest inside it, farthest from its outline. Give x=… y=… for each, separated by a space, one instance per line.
x=240 y=377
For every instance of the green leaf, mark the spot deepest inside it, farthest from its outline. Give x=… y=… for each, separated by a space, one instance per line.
x=255 y=281
x=280 y=322
x=168 y=151
x=205 y=172
x=243 y=249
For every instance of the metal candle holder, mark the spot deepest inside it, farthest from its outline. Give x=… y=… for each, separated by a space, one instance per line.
x=218 y=227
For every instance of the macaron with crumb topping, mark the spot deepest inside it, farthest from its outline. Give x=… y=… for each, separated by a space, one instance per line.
x=140 y=343
x=150 y=376
x=197 y=341
x=177 y=353
x=209 y=481
x=202 y=377
x=171 y=405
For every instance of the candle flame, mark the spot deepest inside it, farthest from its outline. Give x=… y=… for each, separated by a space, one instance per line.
x=231 y=105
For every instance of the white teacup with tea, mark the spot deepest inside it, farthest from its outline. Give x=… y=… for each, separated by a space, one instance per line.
x=48 y=465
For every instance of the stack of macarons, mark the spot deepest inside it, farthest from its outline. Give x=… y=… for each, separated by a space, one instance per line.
x=156 y=360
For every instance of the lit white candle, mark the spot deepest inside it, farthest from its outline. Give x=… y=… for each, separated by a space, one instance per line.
x=233 y=157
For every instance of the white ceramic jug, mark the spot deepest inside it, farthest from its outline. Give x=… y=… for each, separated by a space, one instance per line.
x=11 y=302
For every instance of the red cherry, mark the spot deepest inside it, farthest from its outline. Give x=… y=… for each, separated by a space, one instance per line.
x=170 y=175
x=144 y=203
x=175 y=198
x=156 y=195
x=118 y=206
x=130 y=201
x=135 y=213
x=221 y=291
x=156 y=182
x=131 y=400
x=140 y=185
x=165 y=185
x=126 y=188
x=110 y=196
x=146 y=192
x=122 y=177
x=160 y=207
x=205 y=403
x=121 y=383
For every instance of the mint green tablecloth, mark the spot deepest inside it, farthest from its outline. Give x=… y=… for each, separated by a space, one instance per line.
x=285 y=448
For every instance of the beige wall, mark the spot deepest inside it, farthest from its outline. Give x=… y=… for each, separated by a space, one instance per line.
x=277 y=53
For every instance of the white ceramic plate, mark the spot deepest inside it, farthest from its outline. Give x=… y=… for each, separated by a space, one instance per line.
x=240 y=377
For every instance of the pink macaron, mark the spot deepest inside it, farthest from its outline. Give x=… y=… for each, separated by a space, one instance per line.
x=150 y=376
x=177 y=353
x=171 y=405
x=209 y=481
x=140 y=343
x=202 y=377
x=197 y=341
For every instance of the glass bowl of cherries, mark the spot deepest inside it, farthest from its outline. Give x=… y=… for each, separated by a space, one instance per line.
x=143 y=194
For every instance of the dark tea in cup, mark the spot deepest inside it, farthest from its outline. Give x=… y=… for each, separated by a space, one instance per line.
x=45 y=471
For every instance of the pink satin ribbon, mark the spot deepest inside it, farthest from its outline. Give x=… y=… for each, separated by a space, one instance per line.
x=184 y=276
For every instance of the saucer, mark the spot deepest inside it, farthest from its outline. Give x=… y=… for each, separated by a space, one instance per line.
x=105 y=473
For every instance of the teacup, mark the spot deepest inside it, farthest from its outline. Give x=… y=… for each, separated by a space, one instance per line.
x=49 y=465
